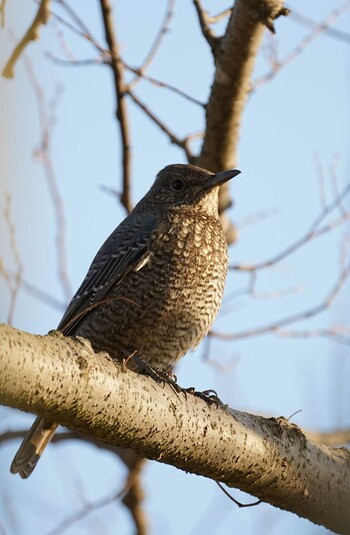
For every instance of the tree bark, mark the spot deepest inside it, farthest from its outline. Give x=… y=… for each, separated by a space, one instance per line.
x=235 y=55
x=62 y=379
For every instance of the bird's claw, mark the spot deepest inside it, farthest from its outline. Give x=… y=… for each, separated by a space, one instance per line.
x=165 y=377
x=209 y=396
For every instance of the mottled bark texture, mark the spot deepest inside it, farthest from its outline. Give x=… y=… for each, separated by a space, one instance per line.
x=234 y=54
x=63 y=380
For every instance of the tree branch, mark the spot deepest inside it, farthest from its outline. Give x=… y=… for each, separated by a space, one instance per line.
x=64 y=380
x=2 y=13
x=32 y=34
x=235 y=57
x=204 y=22
x=118 y=73
x=182 y=143
x=317 y=30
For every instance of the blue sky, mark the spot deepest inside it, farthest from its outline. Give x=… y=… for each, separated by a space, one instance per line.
x=303 y=111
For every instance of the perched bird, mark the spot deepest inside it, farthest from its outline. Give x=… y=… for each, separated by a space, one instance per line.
x=155 y=286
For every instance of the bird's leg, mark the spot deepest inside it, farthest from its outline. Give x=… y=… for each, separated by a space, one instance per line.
x=160 y=376
x=166 y=377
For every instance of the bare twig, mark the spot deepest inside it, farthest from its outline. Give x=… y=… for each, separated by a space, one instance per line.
x=163 y=30
x=156 y=43
x=309 y=23
x=321 y=180
x=337 y=333
x=103 y=59
x=182 y=143
x=62 y=41
x=32 y=34
x=204 y=22
x=121 y=113
x=99 y=60
x=132 y=491
x=239 y=504
x=74 y=15
x=315 y=230
x=47 y=115
x=214 y=19
x=82 y=32
x=105 y=55
x=88 y=508
x=165 y=85
x=334 y=183
x=36 y=292
x=14 y=284
x=274 y=327
x=252 y=219
x=2 y=12
x=317 y=30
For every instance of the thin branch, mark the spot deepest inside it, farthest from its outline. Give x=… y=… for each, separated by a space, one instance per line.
x=74 y=15
x=163 y=30
x=274 y=327
x=169 y=13
x=103 y=60
x=214 y=19
x=47 y=115
x=121 y=112
x=99 y=60
x=2 y=12
x=105 y=55
x=304 y=43
x=183 y=144
x=81 y=32
x=40 y=294
x=255 y=218
x=16 y=283
x=338 y=333
x=89 y=507
x=62 y=41
x=165 y=85
x=204 y=22
x=315 y=231
x=321 y=180
x=309 y=23
x=32 y=34
x=132 y=491
x=334 y=183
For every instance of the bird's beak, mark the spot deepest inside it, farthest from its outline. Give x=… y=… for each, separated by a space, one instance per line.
x=220 y=178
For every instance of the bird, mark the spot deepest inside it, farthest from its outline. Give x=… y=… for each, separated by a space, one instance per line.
x=155 y=286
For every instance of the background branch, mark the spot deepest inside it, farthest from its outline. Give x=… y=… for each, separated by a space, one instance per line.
x=32 y=34
x=121 y=112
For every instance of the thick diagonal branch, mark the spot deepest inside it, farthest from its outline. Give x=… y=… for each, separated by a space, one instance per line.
x=64 y=380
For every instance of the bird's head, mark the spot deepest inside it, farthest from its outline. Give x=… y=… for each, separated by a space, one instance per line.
x=184 y=184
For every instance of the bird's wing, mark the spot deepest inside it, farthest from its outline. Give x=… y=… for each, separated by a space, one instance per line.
x=126 y=249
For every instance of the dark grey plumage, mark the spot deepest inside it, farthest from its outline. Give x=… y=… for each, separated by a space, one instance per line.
x=154 y=287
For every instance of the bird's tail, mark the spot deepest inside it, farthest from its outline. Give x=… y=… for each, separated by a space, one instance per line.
x=32 y=447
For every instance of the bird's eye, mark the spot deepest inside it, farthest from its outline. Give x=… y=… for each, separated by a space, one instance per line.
x=177 y=184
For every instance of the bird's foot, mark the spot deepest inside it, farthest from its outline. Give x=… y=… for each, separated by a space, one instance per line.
x=209 y=396
x=165 y=377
